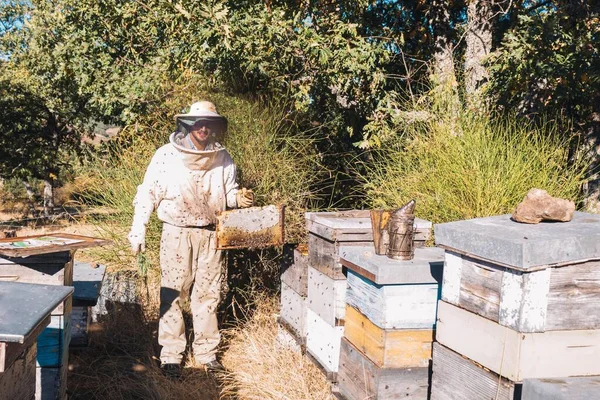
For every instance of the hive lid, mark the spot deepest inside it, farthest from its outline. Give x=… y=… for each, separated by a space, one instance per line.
x=524 y=247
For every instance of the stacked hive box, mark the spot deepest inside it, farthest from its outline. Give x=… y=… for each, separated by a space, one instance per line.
x=518 y=301
x=326 y=306
x=50 y=265
x=24 y=314
x=87 y=281
x=389 y=326
x=294 y=289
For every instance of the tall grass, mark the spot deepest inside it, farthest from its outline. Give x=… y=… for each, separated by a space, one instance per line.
x=471 y=166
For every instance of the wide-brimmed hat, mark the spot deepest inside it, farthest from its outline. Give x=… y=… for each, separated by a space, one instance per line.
x=202 y=111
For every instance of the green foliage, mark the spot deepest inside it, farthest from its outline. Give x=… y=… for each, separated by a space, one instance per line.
x=471 y=167
x=549 y=64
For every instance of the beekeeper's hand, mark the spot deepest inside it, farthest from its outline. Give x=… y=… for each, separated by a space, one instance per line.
x=137 y=238
x=245 y=198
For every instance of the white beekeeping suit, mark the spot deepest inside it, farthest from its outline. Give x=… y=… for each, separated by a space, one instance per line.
x=188 y=188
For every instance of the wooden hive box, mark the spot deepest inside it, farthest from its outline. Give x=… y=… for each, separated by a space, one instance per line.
x=293 y=312
x=394 y=294
x=402 y=348
x=359 y=378
x=25 y=312
x=294 y=269
x=458 y=378
x=87 y=281
x=531 y=278
x=330 y=231
x=53 y=342
x=517 y=355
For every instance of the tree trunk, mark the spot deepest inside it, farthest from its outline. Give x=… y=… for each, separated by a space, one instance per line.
x=443 y=62
x=479 y=44
x=48 y=197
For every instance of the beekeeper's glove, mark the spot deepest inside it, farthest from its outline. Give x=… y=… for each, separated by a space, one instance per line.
x=137 y=238
x=245 y=198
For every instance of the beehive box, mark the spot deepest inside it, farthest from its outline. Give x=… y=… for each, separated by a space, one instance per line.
x=562 y=388
x=323 y=343
x=359 y=378
x=329 y=231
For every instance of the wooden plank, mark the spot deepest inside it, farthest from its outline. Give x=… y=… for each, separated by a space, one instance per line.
x=394 y=306
x=480 y=286
x=18 y=382
x=84 y=242
x=87 y=281
x=253 y=227
x=293 y=311
x=326 y=296
x=388 y=348
x=458 y=378
x=323 y=341
x=324 y=255
x=359 y=378
x=574 y=297
x=295 y=274
x=562 y=388
x=517 y=355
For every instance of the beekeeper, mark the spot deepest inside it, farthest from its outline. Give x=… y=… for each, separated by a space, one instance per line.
x=188 y=182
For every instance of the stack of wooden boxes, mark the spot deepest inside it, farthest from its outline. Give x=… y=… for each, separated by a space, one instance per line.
x=25 y=314
x=519 y=301
x=329 y=232
x=50 y=265
x=390 y=322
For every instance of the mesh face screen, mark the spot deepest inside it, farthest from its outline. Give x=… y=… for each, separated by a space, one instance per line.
x=216 y=125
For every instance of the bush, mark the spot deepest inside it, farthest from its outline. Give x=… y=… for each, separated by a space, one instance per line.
x=458 y=165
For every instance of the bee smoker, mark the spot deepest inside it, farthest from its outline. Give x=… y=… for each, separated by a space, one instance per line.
x=401 y=232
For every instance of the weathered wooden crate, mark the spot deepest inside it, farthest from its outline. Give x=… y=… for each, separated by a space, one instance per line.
x=330 y=231
x=562 y=388
x=458 y=378
x=323 y=342
x=394 y=306
x=386 y=348
x=294 y=270
x=532 y=278
x=326 y=297
x=359 y=378
x=517 y=355
x=17 y=382
x=293 y=312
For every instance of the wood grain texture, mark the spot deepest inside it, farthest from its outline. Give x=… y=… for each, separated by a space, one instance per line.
x=18 y=382
x=394 y=306
x=458 y=378
x=324 y=255
x=574 y=297
x=517 y=355
x=360 y=379
x=580 y=388
x=480 y=286
x=323 y=341
x=388 y=348
x=293 y=310
x=326 y=296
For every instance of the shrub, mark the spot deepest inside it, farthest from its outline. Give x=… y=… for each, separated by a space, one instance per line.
x=462 y=165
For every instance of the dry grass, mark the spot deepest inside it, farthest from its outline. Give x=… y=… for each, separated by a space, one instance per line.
x=260 y=367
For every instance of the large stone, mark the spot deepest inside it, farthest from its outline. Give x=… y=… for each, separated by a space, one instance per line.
x=539 y=206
